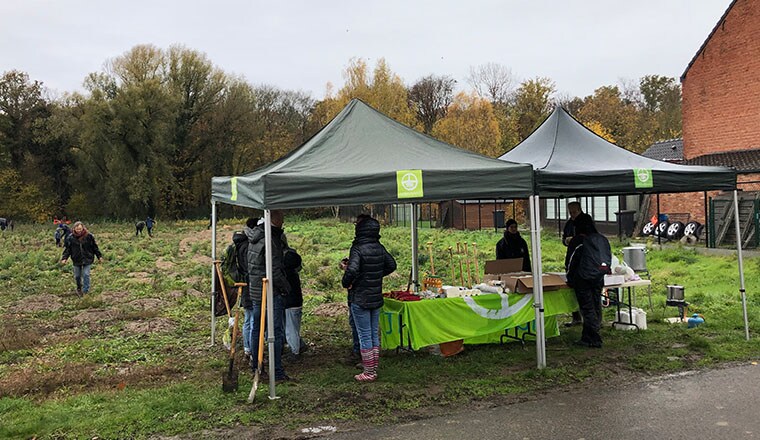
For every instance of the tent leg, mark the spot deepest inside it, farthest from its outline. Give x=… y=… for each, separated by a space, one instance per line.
x=741 y=264
x=213 y=271
x=538 y=288
x=415 y=245
x=270 y=300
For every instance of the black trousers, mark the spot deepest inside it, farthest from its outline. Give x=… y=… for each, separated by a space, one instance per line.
x=589 y=296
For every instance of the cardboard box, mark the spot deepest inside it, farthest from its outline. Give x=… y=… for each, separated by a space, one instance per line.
x=613 y=280
x=523 y=283
x=507 y=265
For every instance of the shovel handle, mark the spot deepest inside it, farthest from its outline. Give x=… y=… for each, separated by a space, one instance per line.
x=264 y=283
x=217 y=265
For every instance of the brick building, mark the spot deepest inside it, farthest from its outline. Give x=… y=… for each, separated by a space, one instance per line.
x=721 y=105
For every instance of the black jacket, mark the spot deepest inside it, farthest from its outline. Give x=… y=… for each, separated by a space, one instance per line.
x=368 y=263
x=240 y=240
x=513 y=246
x=292 y=262
x=256 y=258
x=82 y=252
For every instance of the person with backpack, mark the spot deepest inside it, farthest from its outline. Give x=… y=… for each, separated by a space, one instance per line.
x=368 y=263
x=235 y=270
x=587 y=260
x=574 y=210
x=279 y=283
x=81 y=246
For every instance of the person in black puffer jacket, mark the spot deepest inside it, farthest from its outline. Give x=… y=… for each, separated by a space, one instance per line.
x=513 y=246
x=256 y=258
x=368 y=263
x=80 y=245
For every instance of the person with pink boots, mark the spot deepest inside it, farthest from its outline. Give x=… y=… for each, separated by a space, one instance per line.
x=368 y=263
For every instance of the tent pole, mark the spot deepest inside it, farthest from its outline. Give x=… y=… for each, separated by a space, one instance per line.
x=213 y=270
x=415 y=268
x=705 y=228
x=270 y=300
x=741 y=264
x=659 y=239
x=538 y=294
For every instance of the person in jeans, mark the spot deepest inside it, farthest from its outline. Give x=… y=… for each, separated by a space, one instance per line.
x=82 y=248
x=293 y=303
x=149 y=223
x=240 y=239
x=368 y=263
x=279 y=282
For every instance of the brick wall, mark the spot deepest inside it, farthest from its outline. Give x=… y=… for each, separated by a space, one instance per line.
x=721 y=89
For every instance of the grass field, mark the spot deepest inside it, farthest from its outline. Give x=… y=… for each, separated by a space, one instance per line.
x=133 y=359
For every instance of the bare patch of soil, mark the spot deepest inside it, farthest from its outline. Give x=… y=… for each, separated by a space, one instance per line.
x=195 y=293
x=156 y=325
x=331 y=309
x=146 y=304
x=115 y=297
x=162 y=264
x=18 y=334
x=140 y=277
x=203 y=260
x=43 y=302
x=83 y=377
x=174 y=294
x=95 y=315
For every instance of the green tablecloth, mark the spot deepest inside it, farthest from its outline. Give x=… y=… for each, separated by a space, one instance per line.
x=477 y=320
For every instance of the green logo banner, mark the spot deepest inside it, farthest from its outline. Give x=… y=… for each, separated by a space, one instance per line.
x=233 y=188
x=409 y=184
x=642 y=178
x=477 y=320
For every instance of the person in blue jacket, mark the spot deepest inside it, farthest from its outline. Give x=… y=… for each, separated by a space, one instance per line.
x=149 y=223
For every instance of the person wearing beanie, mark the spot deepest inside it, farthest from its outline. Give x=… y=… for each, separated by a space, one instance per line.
x=82 y=248
x=512 y=245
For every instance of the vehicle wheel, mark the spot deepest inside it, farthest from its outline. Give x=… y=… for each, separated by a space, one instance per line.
x=648 y=229
x=693 y=228
x=675 y=231
x=661 y=229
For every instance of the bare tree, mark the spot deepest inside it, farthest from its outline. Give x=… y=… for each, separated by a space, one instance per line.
x=431 y=97
x=492 y=81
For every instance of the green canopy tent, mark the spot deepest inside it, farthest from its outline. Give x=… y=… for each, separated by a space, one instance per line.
x=570 y=160
x=363 y=156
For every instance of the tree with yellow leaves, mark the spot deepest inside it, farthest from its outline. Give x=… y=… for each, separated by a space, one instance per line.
x=383 y=90
x=470 y=124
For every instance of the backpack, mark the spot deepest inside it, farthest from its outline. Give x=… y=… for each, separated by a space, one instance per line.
x=594 y=261
x=231 y=265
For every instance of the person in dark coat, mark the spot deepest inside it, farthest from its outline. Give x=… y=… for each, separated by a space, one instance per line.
x=368 y=263
x=82 y=248
x=513 y=246
x=61 y=232
x=588 y=293
x=256 y=258
x=139 y=227
x=568 y=232
x=293 y=302
x=149 y=223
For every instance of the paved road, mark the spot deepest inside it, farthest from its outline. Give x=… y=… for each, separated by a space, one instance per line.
x=718 y=404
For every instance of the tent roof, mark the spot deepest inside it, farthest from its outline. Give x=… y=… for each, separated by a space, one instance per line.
x=356 y=158
x=571 y=160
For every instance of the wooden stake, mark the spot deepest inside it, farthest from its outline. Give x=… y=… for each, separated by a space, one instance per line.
x=477 y=264
x=467 y=259
x=451 y=266
x=430 y=251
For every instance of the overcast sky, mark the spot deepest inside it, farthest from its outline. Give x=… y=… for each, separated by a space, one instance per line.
x=303 y=45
